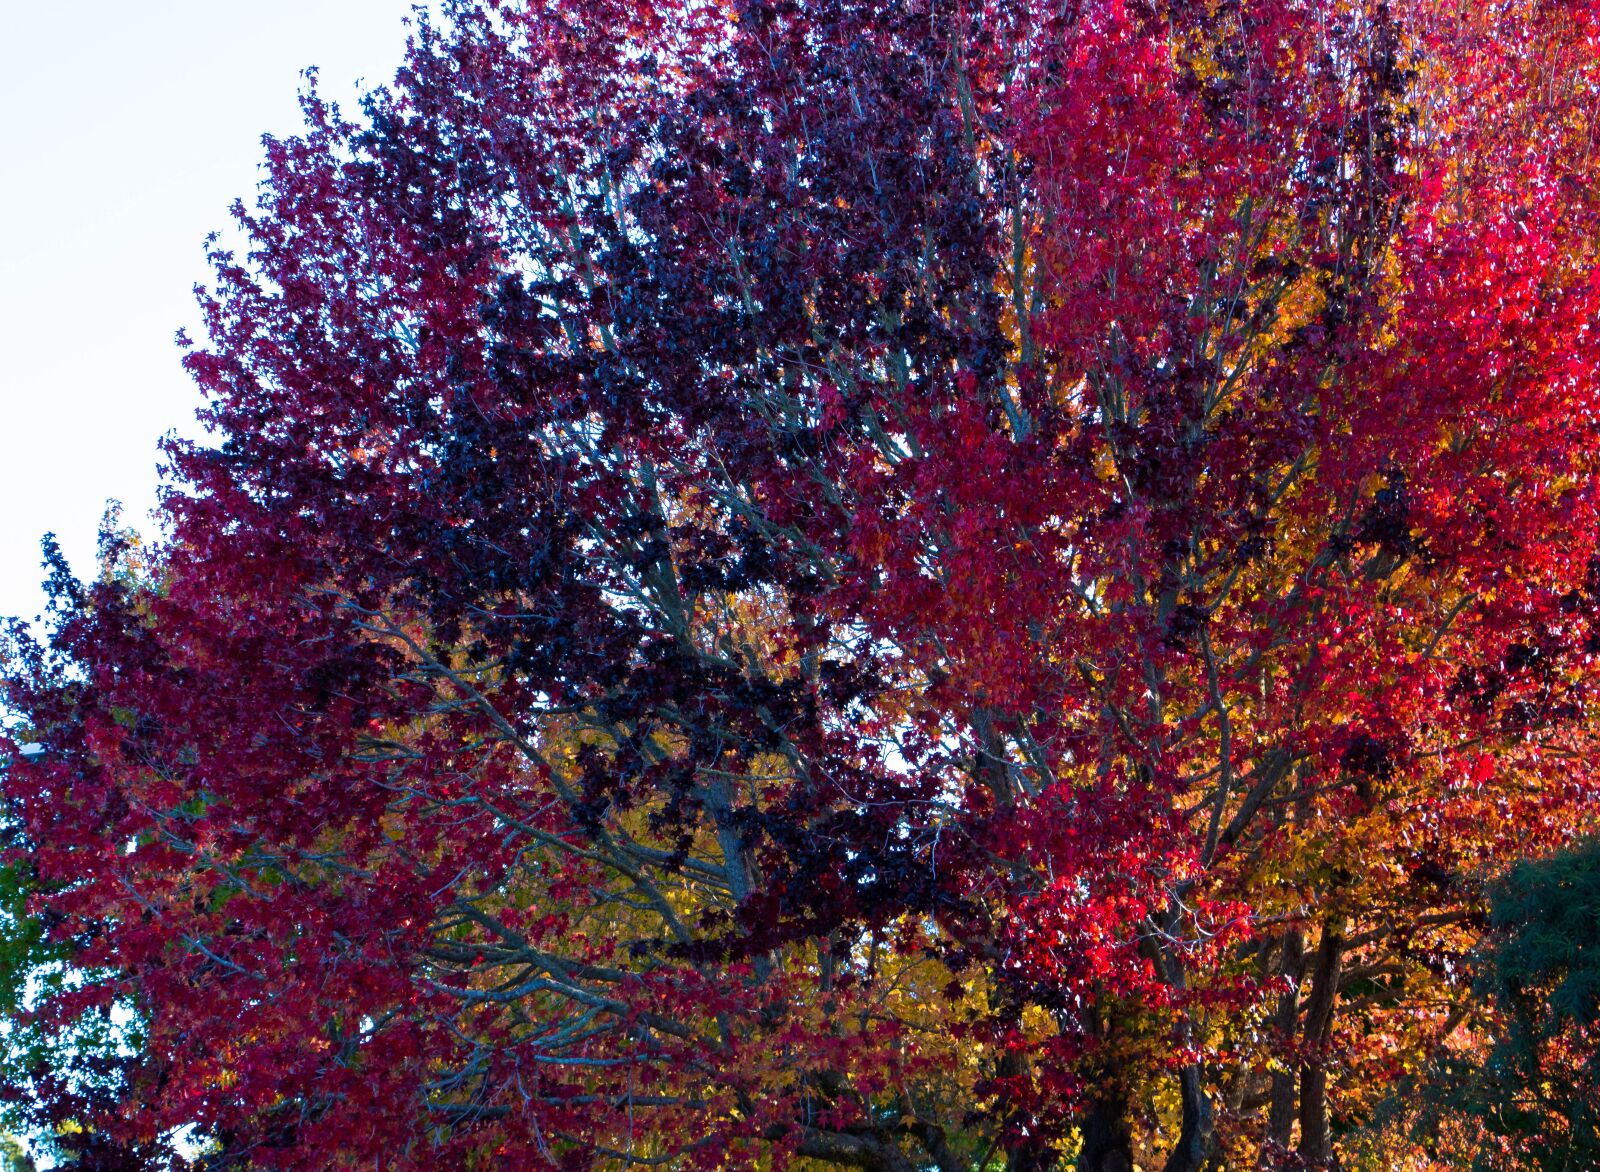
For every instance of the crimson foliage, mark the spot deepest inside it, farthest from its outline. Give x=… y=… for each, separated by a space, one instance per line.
x=890 y=581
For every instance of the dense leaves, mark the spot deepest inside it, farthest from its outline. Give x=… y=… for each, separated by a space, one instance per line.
x=904 y=584
x=1527 y=1092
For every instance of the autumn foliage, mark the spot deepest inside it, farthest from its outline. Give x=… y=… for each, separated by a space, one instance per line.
x=893 y=583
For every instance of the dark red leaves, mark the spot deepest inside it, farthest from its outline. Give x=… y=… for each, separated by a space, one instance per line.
x=872 y=581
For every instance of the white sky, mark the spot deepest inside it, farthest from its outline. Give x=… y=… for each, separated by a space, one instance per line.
x=126 y=131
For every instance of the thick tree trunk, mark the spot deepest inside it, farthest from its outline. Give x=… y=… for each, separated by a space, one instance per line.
x=1194 y=1146
x=1107 y=1136
x=1316 y=1142
x=1282 y=1101
x=1033 y=1157
x=866 y=1151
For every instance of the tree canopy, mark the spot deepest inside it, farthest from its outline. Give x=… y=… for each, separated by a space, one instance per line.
x=899 y=584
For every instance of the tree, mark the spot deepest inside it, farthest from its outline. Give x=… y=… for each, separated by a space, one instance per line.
x=897 y=584
x=62 y=1069
x=15 y=1157
x=1527 y=1095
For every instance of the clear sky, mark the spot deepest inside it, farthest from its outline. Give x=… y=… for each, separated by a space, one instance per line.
x=126 y=131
